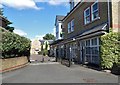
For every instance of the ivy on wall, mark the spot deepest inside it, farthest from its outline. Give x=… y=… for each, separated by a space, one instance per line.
x=13 y=45
x=110 y=50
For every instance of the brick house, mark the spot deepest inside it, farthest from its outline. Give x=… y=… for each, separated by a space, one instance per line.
x=3 y=21
x=83 y=27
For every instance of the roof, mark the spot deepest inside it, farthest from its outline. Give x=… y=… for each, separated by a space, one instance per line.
x=69 y=13
x=4 y=18
x=59 y=17
x=56 y=42
x=50 y=41
x=98 y=28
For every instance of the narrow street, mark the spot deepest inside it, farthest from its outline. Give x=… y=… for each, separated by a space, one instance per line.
x=53 y=72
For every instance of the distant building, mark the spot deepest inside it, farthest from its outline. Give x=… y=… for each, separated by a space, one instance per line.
x=35 y=46
x=58 y=26
x=44 y=43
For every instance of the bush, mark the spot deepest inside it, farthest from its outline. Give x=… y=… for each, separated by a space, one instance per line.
x=14 y=45
x=110 y=50
x=43 y=52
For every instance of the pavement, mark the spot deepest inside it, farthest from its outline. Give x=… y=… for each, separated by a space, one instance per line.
x=53 y=72
x=39 y=58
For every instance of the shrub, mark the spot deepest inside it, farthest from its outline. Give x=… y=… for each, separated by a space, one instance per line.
x=14 y=45
x=43 y=52
x=110 y=50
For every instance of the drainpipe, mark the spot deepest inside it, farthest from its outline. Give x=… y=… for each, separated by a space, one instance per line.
x=108 y=14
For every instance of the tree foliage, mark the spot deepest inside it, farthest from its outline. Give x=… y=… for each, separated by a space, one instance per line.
x=110 y=50
x=14 y=45
x=49 y=37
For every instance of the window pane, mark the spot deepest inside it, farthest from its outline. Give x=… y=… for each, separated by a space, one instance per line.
x=87 y=19
x=88 y=50
x=95 y=50
x=72 y=25
x=72 y=22
x=87 y=12
x=87 y=16
x=69 y=27
x=95 y=15
x=88 y=43
x=94 y=41
x=95 y=7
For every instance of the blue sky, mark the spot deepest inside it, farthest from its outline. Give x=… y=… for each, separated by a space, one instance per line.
x=33 y=20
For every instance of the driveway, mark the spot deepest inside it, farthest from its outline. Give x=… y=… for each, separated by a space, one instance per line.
x=57 y=73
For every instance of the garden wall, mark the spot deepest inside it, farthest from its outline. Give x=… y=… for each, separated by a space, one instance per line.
x=12 y=63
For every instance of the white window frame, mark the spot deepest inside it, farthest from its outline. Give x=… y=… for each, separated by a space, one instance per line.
x=92 y=46
x=71 y=26
x=85 y=17
x=92 y=12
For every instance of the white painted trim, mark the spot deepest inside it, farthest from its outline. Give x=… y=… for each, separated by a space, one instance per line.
x=94 y=11
x=70 y=23
x=85 y=22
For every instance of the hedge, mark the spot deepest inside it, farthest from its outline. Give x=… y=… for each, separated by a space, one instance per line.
x=110 y=50
x=14 y=45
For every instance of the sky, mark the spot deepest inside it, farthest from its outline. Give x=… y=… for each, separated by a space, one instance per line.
x=33 y=18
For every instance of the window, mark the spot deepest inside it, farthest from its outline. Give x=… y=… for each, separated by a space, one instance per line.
x=92 y=50
x=87 y=16
x=71 y=26
x=95 y=11
x=91 y=13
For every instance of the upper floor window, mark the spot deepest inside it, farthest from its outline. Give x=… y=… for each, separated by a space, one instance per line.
x=71 y=26
x=95 y=11
x=87 y=16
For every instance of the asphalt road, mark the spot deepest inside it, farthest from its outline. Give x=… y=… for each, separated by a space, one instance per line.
x=57 y=73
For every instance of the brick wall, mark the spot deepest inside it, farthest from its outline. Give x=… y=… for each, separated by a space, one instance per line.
x=12 y=63
x=78 y=15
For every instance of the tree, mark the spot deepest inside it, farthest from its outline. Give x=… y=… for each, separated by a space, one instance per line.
x=46 y=45
x=49 y=37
